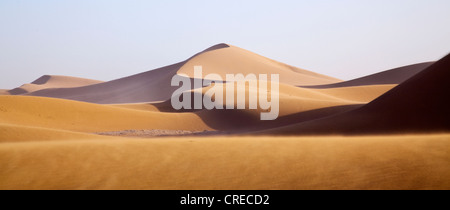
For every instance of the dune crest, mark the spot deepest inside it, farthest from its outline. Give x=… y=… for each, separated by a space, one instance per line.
x=234 y=60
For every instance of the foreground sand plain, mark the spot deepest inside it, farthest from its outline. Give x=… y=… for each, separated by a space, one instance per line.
x=362 y=162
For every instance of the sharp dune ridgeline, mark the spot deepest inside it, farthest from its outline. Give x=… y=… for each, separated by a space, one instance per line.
x=391 y=77
x=389 y=130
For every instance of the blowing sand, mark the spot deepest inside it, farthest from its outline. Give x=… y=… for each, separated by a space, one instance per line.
x=381 y=162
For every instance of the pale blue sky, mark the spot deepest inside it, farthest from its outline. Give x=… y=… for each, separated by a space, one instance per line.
x=109 y=39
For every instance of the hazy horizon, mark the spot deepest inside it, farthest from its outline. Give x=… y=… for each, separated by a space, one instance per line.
x=106 y=40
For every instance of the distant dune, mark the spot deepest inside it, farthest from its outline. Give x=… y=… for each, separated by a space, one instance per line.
x=4 y=92
x=419 y=105
x=48 y=82
x=394 y=76
x=155 y=85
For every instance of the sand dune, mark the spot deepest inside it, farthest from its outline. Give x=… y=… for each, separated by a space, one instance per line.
x=49 y=143
x=233 y=60
x=4 y=92
x=250 y=163
x=296 y=105
x=85 y=117
x=394 y=76
x=51 y=81
x=145 y=87
x=155 y=85
x=419 y=105
x=295 y=100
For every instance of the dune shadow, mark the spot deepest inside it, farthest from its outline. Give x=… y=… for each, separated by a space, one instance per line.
x=42 y=80
x=17 y=91
x=242 y=121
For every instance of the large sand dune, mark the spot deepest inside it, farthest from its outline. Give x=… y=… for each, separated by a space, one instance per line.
x=51 y=81
x=419 y=105
x=155 y=85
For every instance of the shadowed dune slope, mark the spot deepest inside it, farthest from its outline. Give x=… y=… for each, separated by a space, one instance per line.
x=419 y=105
x=394 y=76
x=52 y=81
x=84 y=117
x=155 y=85
x=145 y=87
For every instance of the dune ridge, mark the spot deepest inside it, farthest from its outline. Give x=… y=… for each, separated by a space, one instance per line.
x=52 y=81
x=389 y=77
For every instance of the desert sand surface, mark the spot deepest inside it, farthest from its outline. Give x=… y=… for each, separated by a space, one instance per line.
x=52 y=81
x=379 y=162
x=139 y=106
x=234 y=60
x=18 y=133
x=385 y=131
